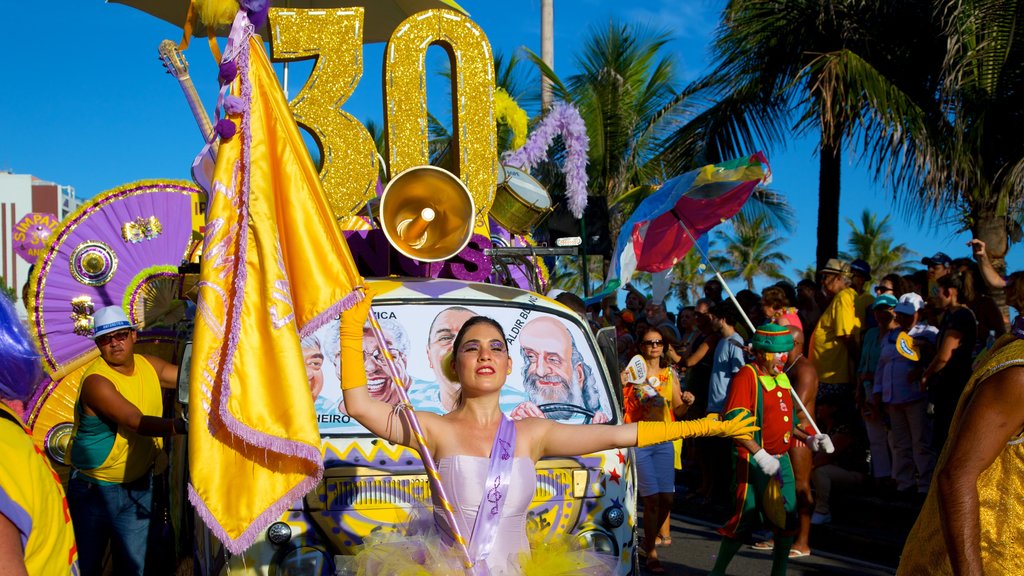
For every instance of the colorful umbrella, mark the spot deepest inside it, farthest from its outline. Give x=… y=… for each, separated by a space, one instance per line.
x=665 y=225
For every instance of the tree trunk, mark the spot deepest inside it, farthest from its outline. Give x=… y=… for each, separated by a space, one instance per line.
x=990 y=227
x=828 y=201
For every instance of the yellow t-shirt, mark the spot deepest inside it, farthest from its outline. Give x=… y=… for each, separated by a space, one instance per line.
x=132 y=455
x=32 y=499
x=831 y=357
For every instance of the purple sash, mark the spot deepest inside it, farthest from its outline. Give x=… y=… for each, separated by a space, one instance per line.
x=498 y=475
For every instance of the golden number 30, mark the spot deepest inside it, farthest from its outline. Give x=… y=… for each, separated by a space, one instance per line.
x=349 y=169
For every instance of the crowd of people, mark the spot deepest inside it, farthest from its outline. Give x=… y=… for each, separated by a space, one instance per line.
x=881 y=363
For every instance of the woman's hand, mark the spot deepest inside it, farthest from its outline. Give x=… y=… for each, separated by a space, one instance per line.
x=356 y=315
x=688 y=398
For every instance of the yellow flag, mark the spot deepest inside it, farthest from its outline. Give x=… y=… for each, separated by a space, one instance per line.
x=275 y=267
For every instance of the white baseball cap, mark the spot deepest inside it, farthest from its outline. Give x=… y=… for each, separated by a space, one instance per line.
x=909 y=303
x=109 y=319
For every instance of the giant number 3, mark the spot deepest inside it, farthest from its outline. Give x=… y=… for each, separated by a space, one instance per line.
x=335 y=37
x=474 y=139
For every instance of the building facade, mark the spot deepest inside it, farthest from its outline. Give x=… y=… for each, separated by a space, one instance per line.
x=22 y=194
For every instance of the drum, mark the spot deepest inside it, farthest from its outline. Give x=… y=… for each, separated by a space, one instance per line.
x=521 y=203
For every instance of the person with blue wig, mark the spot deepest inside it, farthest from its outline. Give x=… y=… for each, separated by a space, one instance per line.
x=36 y=536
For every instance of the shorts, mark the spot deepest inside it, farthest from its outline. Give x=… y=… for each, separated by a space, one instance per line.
x=655 y=470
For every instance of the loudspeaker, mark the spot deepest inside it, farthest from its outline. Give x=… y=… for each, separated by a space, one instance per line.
x=426 y=213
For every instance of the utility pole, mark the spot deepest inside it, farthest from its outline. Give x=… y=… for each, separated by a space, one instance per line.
x=547 y=48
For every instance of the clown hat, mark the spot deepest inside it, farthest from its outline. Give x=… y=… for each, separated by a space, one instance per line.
x=772 y=338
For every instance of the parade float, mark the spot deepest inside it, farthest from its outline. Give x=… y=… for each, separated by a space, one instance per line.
x=435 y=241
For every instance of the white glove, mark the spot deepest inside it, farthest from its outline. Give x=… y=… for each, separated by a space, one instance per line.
x=766 y=462
x=819 y=442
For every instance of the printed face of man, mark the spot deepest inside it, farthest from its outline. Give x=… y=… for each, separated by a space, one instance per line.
x=549 y=375
x=439 y=342
x=314 y=360
x=378 y=377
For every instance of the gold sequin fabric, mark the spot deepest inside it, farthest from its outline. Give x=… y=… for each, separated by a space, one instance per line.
x=1000 y=495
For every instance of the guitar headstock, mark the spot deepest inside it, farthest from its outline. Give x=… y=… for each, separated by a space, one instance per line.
x=173 y=59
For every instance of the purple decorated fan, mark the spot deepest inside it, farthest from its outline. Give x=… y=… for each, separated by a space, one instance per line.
x=122 y=247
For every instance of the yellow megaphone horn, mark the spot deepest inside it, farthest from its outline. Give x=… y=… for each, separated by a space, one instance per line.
x=426 y=213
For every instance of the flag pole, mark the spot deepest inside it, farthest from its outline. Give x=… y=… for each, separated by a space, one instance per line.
x=704 y=256
x=425 y=455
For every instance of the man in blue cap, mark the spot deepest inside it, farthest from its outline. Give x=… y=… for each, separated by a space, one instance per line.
x=938 y=266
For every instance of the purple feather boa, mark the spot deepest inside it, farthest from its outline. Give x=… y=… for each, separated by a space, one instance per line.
x=563 y=119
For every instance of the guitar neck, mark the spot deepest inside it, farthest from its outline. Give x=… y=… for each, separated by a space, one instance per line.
x=196 y=105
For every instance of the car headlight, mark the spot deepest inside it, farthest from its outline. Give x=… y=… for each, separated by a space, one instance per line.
x=614 y=517
x=279 y=533
x=599 y=541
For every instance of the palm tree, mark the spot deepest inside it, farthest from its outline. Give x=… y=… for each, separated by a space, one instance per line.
x=955 y=152
x=752 y=250
x=690 y=274
x=625 y=92
x=509 y=75
x=768 y=81
x=873 y=243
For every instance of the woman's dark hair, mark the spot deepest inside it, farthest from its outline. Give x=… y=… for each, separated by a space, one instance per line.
x=900 y=285
x=788 y=289
x=919 y=280
x=955 y=280
x=458 y=342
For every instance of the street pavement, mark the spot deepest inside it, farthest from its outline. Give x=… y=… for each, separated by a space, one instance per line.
x=695 y=547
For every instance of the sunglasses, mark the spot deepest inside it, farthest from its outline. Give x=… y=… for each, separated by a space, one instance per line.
x=882 y=290
x=106 y=339
x=653 y=342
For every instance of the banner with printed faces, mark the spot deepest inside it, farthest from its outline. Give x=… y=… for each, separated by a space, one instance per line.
x=554 y=371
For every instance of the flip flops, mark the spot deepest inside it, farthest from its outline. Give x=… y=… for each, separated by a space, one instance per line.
x=794 y=553
x=663 y=541
x=765 y=545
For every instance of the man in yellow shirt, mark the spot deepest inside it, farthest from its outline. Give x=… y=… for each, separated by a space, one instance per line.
x=834 y=340
x=115 y=442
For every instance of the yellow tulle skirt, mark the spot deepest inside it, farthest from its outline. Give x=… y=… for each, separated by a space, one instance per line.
x=427 y=555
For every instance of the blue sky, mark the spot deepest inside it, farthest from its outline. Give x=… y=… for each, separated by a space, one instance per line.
x=87 y=103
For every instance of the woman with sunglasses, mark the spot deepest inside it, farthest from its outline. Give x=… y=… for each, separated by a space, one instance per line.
x=659 y=399
x=485 y=460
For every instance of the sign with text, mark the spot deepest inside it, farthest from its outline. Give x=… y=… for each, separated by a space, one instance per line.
x=32 y=232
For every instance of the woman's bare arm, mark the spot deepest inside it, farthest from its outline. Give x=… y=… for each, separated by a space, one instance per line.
x=994 y=416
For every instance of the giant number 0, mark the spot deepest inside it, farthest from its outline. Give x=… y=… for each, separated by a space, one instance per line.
x=349 y=168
